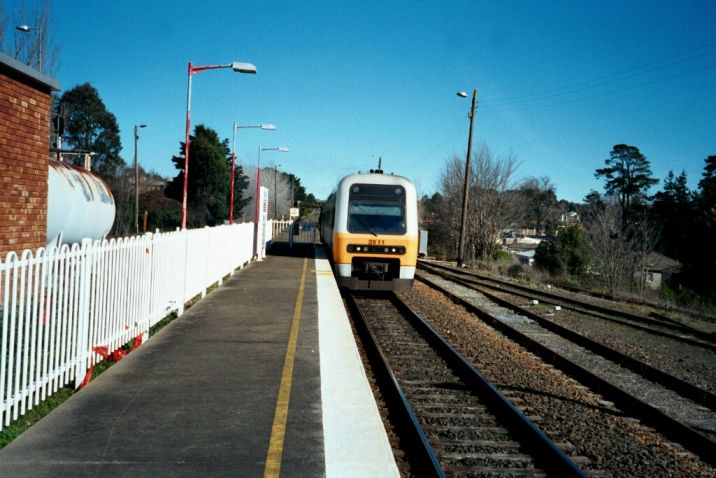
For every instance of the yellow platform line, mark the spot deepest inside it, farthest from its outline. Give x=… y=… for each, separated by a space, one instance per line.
x=278 y=430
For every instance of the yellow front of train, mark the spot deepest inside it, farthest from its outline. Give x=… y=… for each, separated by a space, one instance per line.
x=375 y=233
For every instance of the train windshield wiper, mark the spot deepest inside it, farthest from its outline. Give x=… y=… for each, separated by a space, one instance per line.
x=366 y=226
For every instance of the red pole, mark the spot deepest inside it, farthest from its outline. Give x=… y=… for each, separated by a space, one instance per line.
x=238 y=67
x=186 y=149
x=256 y=200
x=231 y=193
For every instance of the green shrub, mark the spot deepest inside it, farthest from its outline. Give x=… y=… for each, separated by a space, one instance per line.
x=686 y=297
x=500 y=255
x=516 y=271
x=569 y=252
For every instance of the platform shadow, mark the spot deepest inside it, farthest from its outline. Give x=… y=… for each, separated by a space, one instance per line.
x=295 y=250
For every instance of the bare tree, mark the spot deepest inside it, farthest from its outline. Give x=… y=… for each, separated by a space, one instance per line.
x=31 y=42
x=451 y=183
x=122 y=187
x=644 y=235
x=280 y=193
x=540 y=202
x=279 y=184
x=621 y=258
x=490 y=209
x=613 y=259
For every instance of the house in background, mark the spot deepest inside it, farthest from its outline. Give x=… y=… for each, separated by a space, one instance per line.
x=659 y=269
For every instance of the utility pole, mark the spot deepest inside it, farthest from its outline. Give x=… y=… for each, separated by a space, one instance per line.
x=466 y=185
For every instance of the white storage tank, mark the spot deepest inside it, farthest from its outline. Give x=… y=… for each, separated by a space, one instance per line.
x=79 y=205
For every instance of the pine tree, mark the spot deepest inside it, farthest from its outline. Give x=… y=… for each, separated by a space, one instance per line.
x=628 y=177
x=707 y=191
x=89 y=127
x=209 y=175
x=673 y=210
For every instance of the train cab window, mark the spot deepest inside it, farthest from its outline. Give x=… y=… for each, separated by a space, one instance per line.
x=376 y=209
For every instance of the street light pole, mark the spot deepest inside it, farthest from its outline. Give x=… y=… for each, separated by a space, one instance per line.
x=258 y=192
x=238 y=67
x=265 y=126
x=466 y=185
x=136 y=177
x=275 y=191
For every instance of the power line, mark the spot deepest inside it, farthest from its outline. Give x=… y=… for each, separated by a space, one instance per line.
x=575 y=90
x=610 y=78
x=621 y=90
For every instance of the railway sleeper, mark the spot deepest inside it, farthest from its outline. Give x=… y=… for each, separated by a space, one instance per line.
x=482 y=433
x=467 y=422
x=472 y=444
x=458 y=409
x=468 y=471
x=494 y=456
x=445 y=415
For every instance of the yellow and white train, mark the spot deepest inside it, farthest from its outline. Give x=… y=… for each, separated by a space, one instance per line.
x=369 y=225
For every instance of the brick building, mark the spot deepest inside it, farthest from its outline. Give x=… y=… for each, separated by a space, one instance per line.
x=25 y=115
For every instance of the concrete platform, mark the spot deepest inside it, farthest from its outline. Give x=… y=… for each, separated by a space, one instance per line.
x=260 y=378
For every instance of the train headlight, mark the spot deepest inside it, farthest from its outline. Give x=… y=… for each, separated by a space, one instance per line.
x=354 y=248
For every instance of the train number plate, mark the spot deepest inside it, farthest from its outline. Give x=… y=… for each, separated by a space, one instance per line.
x=376 y=242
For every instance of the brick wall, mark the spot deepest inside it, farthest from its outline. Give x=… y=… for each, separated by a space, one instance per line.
x=24 y=148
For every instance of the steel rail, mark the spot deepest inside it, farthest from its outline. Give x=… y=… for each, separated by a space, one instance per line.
x=695 y=441
x=422 y=453
x=706 y=339
x=661 y=321
x=680 y=386
x=645 y=302
x=545 y=453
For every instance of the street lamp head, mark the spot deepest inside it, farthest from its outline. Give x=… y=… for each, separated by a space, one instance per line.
x=24 y=28
x=267 y=126
x=239 y=67
x=283 y=149
x=462 y=94
x=142 y=126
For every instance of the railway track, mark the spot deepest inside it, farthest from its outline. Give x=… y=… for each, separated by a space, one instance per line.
x=691 y=424
x=678 y=385
x=456 y=422
x=656 y=324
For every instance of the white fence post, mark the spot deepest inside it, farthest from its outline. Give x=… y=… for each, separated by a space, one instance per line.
x=59 y=304
x=83 y=347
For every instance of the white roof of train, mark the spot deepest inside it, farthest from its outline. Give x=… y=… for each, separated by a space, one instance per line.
x=372 y=178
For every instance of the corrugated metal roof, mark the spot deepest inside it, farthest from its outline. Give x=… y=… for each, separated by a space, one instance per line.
x=28 y=72
x=660 y=263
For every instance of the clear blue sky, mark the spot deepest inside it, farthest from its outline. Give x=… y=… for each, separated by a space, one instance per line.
x=344 y=81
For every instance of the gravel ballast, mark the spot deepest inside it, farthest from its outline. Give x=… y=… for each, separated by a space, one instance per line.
x=613 y=444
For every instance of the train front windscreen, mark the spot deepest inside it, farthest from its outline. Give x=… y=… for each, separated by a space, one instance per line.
x=376 y=209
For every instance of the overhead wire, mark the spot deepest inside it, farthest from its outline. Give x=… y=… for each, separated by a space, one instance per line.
x=611 y=78
x=612 y=92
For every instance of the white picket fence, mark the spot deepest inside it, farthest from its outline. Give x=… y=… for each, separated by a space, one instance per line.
x=284 y=232
x=62 y=308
